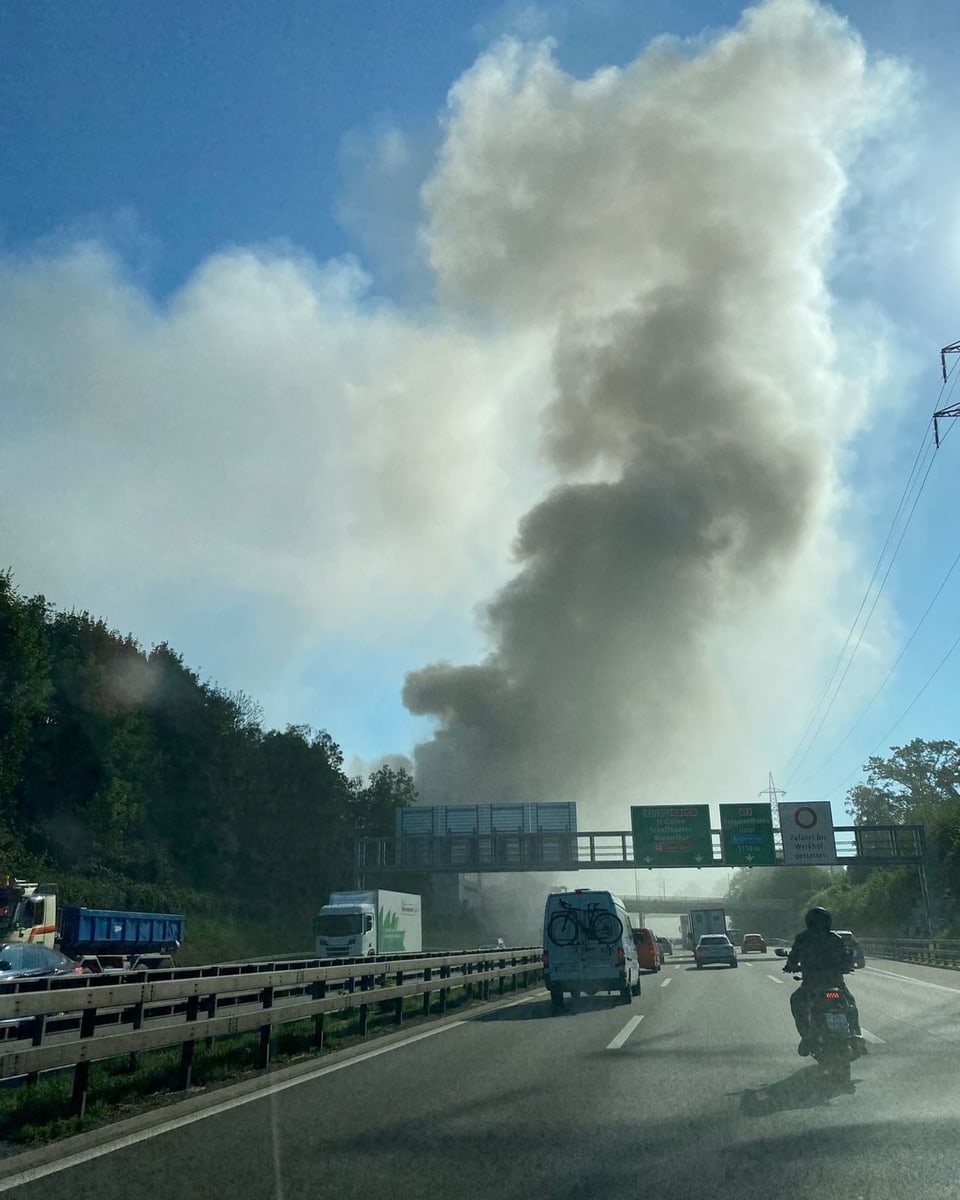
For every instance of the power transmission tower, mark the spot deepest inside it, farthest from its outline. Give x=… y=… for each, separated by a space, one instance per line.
x=772 y=792
x=952 y=410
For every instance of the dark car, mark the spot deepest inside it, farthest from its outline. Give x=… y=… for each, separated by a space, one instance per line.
x=666 y=946
x=23 y=960
x=853 y=946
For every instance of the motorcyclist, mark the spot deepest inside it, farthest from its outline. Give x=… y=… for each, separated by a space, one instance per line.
x=822 y=957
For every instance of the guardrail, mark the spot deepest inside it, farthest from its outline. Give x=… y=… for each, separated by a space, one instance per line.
x=72 y=1021
x=935 y=952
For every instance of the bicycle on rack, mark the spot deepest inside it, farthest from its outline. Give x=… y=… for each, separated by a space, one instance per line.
x=593 y=924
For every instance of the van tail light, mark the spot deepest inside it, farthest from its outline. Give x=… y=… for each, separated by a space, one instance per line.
x=546 y=959
x=621 y=957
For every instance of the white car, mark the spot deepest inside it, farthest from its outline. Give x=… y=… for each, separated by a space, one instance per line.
x=715 y=948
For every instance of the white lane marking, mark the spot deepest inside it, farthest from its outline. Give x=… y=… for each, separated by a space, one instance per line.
x=625 y=1032
x=940 y=987
x=144 y=1135
x=666 y=982
x=775 y=979
x=871 y=1037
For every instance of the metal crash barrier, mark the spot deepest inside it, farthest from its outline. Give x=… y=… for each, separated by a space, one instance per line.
x=934 y=952
x=71 y=1021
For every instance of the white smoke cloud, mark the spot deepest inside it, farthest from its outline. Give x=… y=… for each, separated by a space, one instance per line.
x=633 y=341
x=672 y=224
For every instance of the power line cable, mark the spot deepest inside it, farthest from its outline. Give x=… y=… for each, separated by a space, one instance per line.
x=886 y=679
x=866 y=594
x=893 y=728
x=924 y=445
x=866 y=623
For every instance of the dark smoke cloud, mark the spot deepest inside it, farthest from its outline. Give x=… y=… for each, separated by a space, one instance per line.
x=681 y=216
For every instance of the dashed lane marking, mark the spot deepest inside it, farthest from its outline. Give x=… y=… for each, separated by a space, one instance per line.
x=666 y=982
x=625 y=1032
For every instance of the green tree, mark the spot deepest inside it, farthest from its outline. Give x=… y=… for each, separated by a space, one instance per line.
x=921 y=777
x=373 y=805
x=918 y=784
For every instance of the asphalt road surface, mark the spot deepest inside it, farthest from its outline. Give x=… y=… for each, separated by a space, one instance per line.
x=693 y=1090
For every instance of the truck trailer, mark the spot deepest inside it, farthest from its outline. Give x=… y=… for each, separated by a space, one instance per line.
x=99 y=939
x=706 y=920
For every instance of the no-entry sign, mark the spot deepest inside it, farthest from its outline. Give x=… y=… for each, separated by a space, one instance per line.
x=807 y=832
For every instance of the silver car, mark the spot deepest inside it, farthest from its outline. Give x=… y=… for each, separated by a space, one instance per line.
x=715 y=948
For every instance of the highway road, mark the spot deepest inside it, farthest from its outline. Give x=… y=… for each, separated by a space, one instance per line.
x=693 y=1090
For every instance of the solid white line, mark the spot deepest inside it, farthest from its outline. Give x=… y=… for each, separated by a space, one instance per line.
x=143 y=1135
x=775 y=979
x=940 y=987
x=625 y=1032
x=871 y=1037
x=666 y=982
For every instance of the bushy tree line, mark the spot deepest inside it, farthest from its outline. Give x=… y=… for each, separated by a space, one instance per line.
x=918 y=784
x=122 y=764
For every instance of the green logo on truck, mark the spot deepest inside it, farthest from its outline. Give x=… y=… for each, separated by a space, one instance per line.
x=391 y=935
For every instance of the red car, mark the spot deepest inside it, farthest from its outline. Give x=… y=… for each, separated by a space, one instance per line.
x=648 y=949
x=753 y=941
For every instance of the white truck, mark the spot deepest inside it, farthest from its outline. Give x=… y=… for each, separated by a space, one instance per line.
x=364 y=924
x=706 y=920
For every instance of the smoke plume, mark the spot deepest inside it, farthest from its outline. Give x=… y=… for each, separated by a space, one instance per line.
x=669 y=228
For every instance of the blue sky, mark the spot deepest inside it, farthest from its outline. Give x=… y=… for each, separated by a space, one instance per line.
x=213 y=155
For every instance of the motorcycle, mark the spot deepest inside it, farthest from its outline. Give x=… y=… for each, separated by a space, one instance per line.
x=832 y=1042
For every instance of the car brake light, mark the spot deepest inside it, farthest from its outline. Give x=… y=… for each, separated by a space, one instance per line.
x=831 y=995
x=78 y=970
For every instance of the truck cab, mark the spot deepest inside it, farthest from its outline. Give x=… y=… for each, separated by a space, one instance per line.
x=346 y=929
x=28 y=913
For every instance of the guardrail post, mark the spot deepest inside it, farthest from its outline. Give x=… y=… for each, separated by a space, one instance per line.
x=364 y=1013
x=427 y=976
x=467 y=984
x=81 y=1072
x=398 y=1003
x=185 y=1073
x=444 y=974
x=513 y=964
x=134 y=1060
x=318 y=991
x=503 y=978
x=263 y=1050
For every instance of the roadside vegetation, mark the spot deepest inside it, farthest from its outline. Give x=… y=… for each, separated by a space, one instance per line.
x=131 y=783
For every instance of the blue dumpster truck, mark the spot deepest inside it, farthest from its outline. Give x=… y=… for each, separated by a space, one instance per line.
x=101 y=939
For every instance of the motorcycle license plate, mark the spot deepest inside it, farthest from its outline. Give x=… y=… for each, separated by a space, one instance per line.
x=837 y=1022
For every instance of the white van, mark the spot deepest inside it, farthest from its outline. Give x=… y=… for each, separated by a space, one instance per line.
x=588 y=946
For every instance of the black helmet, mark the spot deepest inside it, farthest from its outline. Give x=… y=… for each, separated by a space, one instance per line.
x=818 y=918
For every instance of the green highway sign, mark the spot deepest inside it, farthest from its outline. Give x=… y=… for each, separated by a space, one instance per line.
x=746 y=835
x=671 y=835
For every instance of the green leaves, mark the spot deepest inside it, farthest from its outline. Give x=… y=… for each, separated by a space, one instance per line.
x=124 y=765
